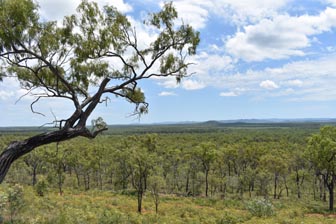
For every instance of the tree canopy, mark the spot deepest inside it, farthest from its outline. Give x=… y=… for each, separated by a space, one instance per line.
x=96 y=49
x=321 y=152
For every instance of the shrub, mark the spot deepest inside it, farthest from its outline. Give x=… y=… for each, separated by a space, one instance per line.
x=41 y=188
x=260 y=208
x=228 y=218
x=3 y=201
x=15 y=200
x=108 y=217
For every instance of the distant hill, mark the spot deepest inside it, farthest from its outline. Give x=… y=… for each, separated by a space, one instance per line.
x=221 y=125
x=200 y=127
x=279 y=120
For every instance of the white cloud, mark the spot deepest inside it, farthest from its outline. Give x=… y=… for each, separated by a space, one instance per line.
x=4 y=95
x=197 y=13
x=192 y=84
x=164 y=93
x=243 y=11
x=300 y=80
x=295 y=82
x=204 y=67
x=8 y=88
x=56 y=10
x=268 y=84
x=332 y=2
x=239 y=12
x=194 y=13
x=279 y=37
x=228 y=94
x=119 y=4
x=167 y=82
x=331 y=48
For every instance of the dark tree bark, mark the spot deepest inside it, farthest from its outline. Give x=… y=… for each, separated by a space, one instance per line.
x=17 y=149
x=298 y=183
x=286 y=186
x=331 y=196
x=330 y=185
x=206 y=182
x=74 y=127
x=275 y=185
x=187 y=184
x=140 y=194
x=77 y=177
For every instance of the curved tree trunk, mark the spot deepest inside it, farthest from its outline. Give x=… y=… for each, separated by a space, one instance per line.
x=17 y=149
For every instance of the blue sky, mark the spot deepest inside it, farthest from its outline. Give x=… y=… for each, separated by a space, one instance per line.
x=256 y=59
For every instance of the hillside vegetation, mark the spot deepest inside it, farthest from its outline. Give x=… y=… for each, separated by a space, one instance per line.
x=205 y=173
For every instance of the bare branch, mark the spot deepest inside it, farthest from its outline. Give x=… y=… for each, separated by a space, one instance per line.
x=32 y=106
x=55 y=71
x=26 y=94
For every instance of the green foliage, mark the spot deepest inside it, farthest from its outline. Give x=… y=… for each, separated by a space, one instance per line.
x=15 y=200
x=156 y=185
x=321 y=152
x=228 y=218
x=321 y=149
x=241 y=165
x=16 y=17
x=41 y=187
x=3 y=202
x=98 y=124
x=260 y=208
x=112 y=217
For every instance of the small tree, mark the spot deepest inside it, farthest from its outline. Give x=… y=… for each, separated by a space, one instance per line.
x=41 y=187
x=298 y=164
x=94 y=49
x=156 y=183
x=34 y=162
x=321 y=152
x=142 y=159
x=275 y=165
x=206 y=153
x=57 y=160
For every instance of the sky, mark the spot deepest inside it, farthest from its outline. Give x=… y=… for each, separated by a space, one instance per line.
x=257 y=59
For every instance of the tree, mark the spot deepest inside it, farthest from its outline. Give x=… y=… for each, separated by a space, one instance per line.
x=206 y=153
x=57 y=159
x=298 y=164
x=63 y=62
x=142 y=158
x=275 y=165
x=156 y=183
x=321 y=152
x=34 y=162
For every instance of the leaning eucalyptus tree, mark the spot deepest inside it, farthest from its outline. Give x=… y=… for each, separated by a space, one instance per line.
x=94 y=48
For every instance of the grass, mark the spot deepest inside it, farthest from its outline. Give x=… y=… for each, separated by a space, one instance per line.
x=107 y=207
